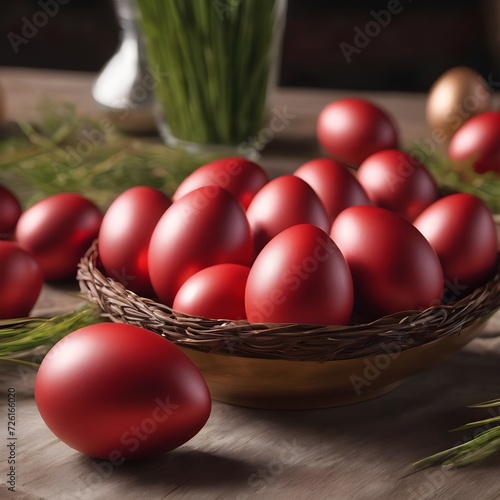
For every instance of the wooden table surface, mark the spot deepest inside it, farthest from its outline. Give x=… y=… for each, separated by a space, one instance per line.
x=353 y=452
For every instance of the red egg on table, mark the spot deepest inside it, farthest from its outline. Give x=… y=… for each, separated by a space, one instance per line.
x=119 y=392
x=477 y=143
x=351 y=129
x=10 y=211
x=58 y=230
x=21 y=281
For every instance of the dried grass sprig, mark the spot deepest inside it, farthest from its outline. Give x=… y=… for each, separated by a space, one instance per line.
x=21 y=335
x=461 y=178
x=483 y=445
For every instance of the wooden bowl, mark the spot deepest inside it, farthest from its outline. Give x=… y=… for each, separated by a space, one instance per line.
x=279 y=384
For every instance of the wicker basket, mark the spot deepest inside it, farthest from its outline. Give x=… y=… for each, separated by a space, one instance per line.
x=253 y=348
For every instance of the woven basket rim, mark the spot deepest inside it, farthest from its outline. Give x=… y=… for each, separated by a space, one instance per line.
x=291 y=341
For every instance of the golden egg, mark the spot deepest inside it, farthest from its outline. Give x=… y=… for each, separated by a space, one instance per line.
x=457 y=95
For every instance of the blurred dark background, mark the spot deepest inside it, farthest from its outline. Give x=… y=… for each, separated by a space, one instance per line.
x=419 y=43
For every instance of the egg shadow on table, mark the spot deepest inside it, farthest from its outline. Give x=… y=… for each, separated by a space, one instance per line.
x=178 y=467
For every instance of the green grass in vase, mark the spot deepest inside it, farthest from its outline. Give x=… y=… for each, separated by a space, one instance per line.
x=217 y=66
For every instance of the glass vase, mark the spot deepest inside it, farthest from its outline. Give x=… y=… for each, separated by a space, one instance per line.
x=216 y=63
x=123 y=88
